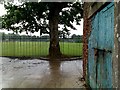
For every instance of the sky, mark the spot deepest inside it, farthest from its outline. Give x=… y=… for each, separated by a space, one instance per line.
x=79 y=28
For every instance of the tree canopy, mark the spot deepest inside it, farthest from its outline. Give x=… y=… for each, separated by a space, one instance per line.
x=34 y=16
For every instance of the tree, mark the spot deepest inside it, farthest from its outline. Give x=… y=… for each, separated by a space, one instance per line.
x=77 y=38
x=43 y=16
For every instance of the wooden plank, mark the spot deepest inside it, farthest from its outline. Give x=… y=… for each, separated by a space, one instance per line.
x=101 y=41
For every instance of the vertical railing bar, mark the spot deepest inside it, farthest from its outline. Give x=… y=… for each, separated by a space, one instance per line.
x=63 y=45
x=68 y=44
x=22 y=47
x=30 y=43
x=12 y=43
x=19 y=46
x=7 y=45
x=79 y=45
x=34 y=46
x=2 y=48
x=25 y=49
x=27 y=46
x=2 y=41
x=40 y=45
x=2 y=45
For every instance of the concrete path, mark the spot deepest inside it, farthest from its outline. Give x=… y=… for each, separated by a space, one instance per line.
x=40 y=74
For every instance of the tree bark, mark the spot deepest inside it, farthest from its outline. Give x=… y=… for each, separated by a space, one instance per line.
x=54 y=48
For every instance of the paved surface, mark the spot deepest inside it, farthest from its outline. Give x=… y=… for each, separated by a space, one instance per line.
x=40 y=74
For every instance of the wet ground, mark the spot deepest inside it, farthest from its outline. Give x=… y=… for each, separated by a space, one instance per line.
x=40 y=73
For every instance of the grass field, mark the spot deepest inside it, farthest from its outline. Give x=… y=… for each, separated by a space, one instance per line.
x=37 y=49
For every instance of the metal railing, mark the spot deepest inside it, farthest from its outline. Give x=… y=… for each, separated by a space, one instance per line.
x=34 y=46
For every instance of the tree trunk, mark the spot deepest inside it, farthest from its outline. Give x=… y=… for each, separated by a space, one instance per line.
x=54 y=48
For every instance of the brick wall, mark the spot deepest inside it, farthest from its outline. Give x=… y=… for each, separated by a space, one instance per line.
x=86 y=32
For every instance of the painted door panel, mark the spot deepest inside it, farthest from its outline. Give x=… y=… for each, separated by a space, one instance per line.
x=92 y=44
x=100 y=47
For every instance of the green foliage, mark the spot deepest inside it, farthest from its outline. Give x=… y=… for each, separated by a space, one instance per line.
x=34 y=16
x=44 y=38
x=77 y=38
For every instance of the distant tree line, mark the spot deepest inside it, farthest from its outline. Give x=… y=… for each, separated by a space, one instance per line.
x=77 y=38
x=17 y=37
x=45 y=38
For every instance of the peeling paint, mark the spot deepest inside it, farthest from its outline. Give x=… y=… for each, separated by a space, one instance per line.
x=119 y=39
x=117 y=35
x=115 y=29
x=114 y=46
x=116 y=56
x=117 y=1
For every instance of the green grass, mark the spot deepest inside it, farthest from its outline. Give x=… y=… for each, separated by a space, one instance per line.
x=37 y=49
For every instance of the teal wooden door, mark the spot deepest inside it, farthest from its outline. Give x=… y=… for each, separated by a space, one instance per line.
x=100 y=48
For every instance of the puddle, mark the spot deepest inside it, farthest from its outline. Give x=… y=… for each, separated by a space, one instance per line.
x=41 y=74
